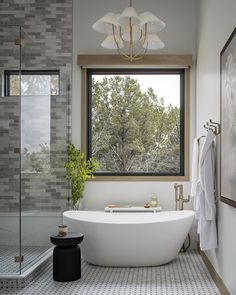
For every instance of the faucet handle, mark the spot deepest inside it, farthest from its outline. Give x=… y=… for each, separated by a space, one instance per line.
x=186 y=200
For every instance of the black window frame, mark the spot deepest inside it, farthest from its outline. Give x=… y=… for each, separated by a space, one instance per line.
x=8 y=73
x=136 y=71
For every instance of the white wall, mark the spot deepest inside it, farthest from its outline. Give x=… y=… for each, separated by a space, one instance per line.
x=216 y=21
x=179 y=37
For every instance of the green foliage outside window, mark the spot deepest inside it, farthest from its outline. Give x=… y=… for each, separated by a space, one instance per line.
x=33 y=84
x=37 y=162
x=132 y=130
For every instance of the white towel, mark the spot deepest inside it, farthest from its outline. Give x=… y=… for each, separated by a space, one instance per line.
x=195 y=165
x=205 y=197
x=197 y=148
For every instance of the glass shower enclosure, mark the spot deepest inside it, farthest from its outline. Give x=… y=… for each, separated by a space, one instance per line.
x=34 y=134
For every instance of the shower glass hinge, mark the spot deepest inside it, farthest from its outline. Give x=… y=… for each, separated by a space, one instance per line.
x=18 y=41
x=20 y=150
x=19 y=259
x=17 y=150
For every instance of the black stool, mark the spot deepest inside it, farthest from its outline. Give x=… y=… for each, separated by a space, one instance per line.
x=67 y=257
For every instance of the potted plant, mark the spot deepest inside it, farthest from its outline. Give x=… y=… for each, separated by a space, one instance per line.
x=78 y=170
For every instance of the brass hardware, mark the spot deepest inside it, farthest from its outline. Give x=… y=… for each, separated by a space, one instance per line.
x=19 y=259
x=180 y=200
x=179 y=197
x=17 y=150
x=20 y=150
x=213 y=126
x=217 y=126
x=18 y=41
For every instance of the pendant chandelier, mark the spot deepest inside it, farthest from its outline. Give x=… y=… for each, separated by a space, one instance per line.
x=132 y=34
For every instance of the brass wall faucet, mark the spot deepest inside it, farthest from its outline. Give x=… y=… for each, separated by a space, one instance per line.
x=179 y=197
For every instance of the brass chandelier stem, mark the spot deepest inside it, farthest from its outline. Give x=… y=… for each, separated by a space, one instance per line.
x=130 y=40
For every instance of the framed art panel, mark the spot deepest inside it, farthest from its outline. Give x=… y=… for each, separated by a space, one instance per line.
x=228 y=121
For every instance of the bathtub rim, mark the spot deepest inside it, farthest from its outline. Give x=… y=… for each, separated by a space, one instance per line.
x=183 y=214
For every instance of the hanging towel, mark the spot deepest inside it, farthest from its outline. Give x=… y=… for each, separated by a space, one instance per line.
x=205 y=196
x=195 y=165
x=197 y=148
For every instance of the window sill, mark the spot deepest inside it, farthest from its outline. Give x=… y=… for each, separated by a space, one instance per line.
x=141 y=178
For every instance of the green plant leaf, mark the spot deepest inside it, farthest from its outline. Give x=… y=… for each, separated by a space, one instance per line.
x=78 y=170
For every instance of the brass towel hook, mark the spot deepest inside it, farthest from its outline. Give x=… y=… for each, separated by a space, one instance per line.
x=213 y=126
x=216 y=125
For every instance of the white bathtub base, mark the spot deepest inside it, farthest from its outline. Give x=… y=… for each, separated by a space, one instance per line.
x=130 y=239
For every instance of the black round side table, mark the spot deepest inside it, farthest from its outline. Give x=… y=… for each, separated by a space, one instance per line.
x=67 y=257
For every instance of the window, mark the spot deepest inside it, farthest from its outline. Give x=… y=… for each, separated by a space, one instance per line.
x=37 y=87
x=135 y=117
x=32 y=83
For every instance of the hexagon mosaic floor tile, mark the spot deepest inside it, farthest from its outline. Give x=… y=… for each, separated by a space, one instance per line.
x=186 y=275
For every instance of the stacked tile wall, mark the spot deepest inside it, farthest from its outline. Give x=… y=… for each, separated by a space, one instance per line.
x=46 y=44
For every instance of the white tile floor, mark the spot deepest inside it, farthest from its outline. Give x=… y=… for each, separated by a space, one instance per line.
x=186 y=275
x=8 y=253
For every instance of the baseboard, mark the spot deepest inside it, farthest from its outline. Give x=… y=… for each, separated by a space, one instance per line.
x=216 y=278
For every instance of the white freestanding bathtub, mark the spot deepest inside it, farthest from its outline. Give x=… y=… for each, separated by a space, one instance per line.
x=130 y=239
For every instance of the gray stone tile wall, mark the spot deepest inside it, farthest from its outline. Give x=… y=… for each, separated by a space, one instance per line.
x=46 y=44
x=9 y=161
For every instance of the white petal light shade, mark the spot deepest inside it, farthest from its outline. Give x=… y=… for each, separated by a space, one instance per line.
x=129 y=14
x=130 y=33
x=104 y=24
x=153 y=42
x=110 y=43
x=154 y=24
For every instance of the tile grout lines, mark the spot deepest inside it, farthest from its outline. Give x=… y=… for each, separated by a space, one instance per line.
x=186 y=275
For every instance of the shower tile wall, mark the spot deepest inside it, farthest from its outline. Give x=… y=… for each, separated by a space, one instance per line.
x=47 y=45
x=9 y=161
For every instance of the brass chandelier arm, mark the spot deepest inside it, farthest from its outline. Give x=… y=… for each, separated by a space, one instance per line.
x=130 y=39
x=141 y=35
x=131 y=56
x=117 y=45
x=145 y=34
x=121 y=35
x=138 y=55
x=142 y=43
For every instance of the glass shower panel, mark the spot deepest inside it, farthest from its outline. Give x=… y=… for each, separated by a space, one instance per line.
x=10 y=254
x=44 y=139
x=35 y=124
